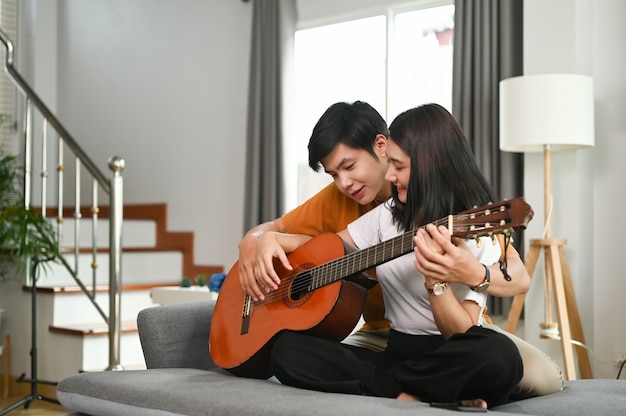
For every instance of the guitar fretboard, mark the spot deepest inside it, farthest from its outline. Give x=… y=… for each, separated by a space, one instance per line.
x=362 y=260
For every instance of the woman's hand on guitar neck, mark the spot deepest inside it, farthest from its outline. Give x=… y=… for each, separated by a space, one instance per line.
x=445 y=259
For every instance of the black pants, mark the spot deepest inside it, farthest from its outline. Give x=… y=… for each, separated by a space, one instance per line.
x=478 y=364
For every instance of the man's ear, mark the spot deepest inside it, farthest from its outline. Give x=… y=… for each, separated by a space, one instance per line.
x=380 y=145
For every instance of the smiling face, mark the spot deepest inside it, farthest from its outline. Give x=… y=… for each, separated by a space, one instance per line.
x=399 y=170
x=357 y=173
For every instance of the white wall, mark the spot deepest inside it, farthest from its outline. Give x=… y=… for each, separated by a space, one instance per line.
x=609 y=60
x=162 y=84
x=581 y=37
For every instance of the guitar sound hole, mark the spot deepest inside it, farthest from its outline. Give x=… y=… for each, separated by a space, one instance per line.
x=301 y=286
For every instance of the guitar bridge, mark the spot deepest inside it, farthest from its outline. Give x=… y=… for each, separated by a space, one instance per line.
x=246 y=314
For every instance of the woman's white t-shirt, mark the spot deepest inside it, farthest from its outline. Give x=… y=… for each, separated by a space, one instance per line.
x=407 y=306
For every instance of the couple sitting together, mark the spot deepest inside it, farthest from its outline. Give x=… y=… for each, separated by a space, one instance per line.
x=426 y=336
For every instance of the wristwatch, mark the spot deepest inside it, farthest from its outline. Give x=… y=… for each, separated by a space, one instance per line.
x=438 y=288
x=482 y=286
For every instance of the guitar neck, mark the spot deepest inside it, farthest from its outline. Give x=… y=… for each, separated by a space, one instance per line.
x=491 y=219
x=362 y=260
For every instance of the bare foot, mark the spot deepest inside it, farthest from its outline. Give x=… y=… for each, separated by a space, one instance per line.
x=475 y=403
x=407 y=396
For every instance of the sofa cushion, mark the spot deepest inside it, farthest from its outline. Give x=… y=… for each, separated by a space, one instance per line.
x=185 y=391
x=604 y=397
x=188 y=391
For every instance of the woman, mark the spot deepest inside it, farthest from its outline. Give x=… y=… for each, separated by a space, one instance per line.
x=437 y=350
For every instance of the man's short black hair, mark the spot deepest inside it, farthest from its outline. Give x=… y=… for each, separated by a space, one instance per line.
x=356 y=125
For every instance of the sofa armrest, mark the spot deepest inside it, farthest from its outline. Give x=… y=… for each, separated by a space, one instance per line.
x=177 y=335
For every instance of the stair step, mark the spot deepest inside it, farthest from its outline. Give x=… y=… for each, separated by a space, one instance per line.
x=65 y=301
x=92 y=328
x=138 y=267
x=137 y=233
x=145 y=227
x=86 y=348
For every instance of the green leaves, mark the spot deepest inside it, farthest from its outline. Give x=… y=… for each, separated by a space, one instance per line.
x=24 y=233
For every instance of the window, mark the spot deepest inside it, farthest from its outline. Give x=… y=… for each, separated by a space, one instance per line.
x=393 y=61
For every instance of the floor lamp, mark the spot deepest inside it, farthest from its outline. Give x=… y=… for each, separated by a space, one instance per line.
x=547 y=113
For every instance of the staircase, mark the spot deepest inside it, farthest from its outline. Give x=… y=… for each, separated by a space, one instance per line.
x=87 y=305
x=72 y=335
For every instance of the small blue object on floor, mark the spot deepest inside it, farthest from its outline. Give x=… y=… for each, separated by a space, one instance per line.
x=215 y=282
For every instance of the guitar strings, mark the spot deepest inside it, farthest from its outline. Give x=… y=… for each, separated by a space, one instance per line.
x=336 y=265
x=328 y=269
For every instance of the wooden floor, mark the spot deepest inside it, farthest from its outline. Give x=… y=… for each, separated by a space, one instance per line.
x=36 y=407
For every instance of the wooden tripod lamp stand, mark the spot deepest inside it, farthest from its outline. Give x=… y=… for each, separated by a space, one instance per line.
x=545 y=113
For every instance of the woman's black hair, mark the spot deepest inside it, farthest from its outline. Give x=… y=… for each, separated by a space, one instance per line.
x=356 y=125
x=445 y=178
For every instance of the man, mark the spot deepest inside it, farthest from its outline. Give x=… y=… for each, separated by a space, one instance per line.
x=352 y=139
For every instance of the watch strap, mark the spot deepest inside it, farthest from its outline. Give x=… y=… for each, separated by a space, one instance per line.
x=485 y=283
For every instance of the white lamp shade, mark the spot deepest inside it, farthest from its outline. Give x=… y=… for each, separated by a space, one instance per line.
x=551 y=109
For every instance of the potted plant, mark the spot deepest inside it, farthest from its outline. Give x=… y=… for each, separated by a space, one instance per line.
x=24 y=232
x=202 y=280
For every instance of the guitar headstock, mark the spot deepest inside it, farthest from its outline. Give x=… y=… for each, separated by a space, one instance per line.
x=494 y=218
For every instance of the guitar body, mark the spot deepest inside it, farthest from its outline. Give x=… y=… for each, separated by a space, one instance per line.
x=243 y=331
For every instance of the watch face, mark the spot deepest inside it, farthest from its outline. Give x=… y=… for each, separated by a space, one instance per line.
x=481 y=287
x=439 y=288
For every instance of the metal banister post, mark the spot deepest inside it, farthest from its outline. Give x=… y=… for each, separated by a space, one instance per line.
x=116 y=216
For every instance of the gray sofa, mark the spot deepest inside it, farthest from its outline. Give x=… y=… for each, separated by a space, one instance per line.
x=181 y=379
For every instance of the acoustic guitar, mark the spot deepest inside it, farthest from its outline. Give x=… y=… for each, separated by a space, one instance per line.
x=325 y=292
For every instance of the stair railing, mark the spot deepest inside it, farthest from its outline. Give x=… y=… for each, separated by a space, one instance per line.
x=112 y=187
